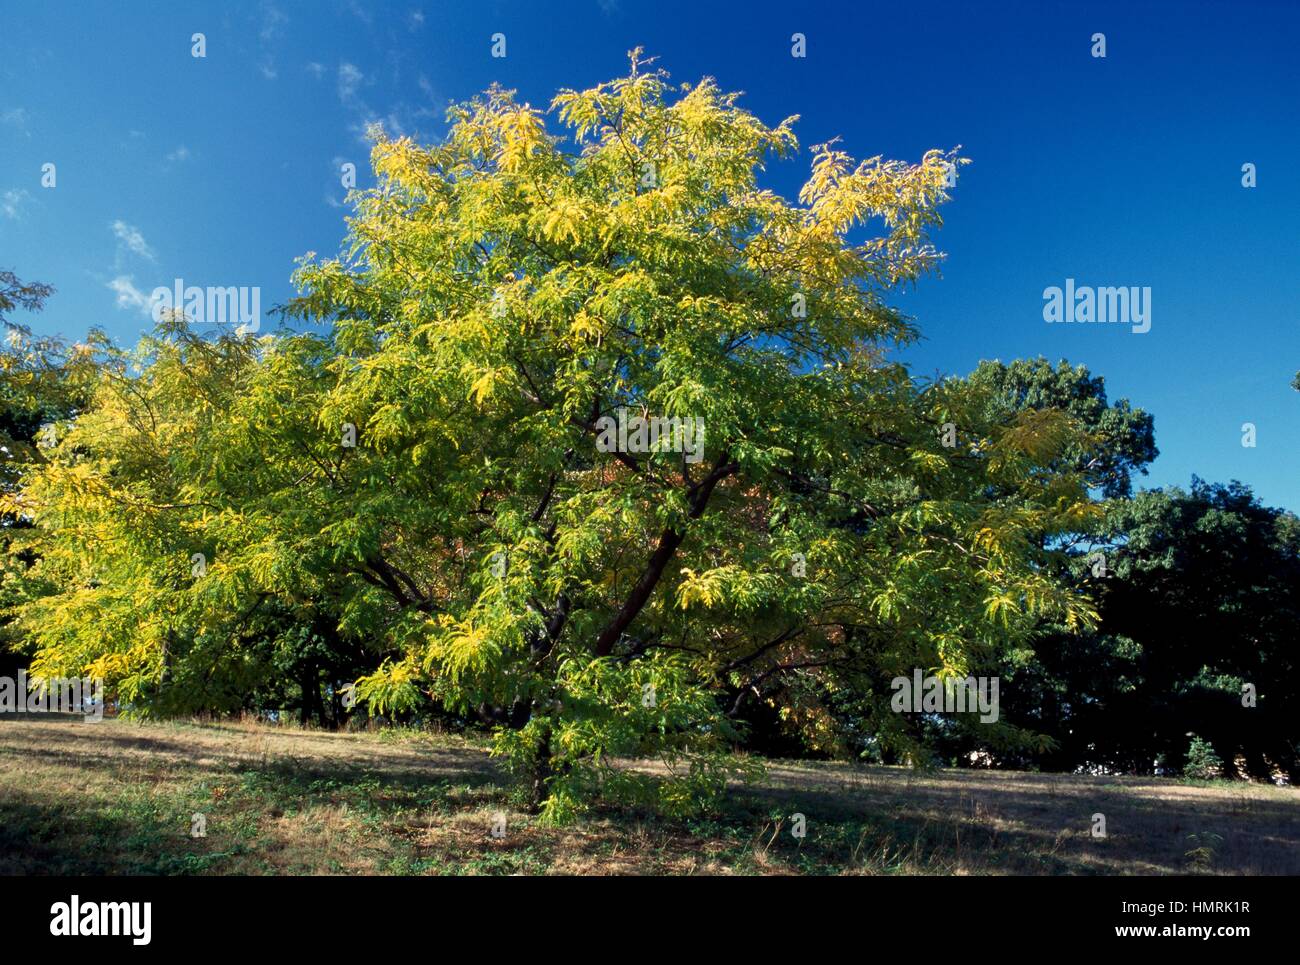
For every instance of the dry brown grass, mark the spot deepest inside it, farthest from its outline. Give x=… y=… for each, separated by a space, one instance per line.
x=117 y=797
x=976 y=821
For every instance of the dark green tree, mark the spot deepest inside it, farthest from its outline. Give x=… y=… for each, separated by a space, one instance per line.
x=1120 y=440
x=1201 y=597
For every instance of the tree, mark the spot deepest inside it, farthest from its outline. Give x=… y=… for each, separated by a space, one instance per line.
x=437 y=474
x=1113 y=441
x=136 y=504
x=1200 y=600
x=1202 y=762
x=1119 y=439
x=15 y=293
x=43 y=384
x=34 y=385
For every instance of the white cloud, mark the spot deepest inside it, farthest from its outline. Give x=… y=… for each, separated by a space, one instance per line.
x=130 y=297
x=316 y=70
x=336 y=176
x=360 y=12
x=350 y=79
x=15 y=117
x=12 y=201
x=273 y=18
x=182 y=153
x=396 y=122
x=272 y=22
x=132 y=239
x=389 y=126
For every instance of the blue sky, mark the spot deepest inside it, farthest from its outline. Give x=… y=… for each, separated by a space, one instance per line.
x=1117 y=171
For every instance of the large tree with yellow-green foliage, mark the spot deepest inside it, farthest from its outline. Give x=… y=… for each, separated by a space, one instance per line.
x=499 y=294
x=44 y=382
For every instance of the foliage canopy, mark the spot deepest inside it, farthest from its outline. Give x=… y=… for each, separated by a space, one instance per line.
x=499 y=293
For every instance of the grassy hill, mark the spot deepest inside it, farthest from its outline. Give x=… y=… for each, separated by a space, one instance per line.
x=117 y=797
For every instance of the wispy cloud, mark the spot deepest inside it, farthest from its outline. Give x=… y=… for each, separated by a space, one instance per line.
x=316 y=70
x=395 y=123
x=389 y=125
x=182 y=153
x=273 y=19
x=12 y=203
x=130 y=238
x=350 y=78
x=356 y=88
x=129 y=297
x=359 y=11
x=17 y=118
x=336 y=177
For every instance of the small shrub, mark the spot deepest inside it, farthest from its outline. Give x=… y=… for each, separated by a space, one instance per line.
x=1202 y=762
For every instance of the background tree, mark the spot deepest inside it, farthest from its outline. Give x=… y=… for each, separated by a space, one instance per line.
x=1113 y=441
x=146 y=495
x=43 y=384
x=1200 y=599
x=16 y=293
x=1119 y=440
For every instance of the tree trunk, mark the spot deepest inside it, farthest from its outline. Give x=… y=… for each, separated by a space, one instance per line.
x=537 y=788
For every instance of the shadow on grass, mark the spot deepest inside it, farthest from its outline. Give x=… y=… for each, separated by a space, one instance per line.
x=80 y=799
x=136 y=814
